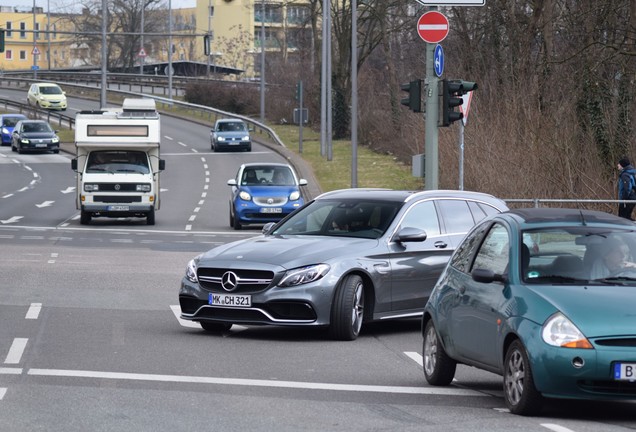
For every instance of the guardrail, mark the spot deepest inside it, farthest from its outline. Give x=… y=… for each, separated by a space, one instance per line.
x=202 y=113
x=52 y=117
x=261 y=133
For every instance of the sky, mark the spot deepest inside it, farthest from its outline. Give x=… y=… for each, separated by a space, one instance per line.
x=65 y=5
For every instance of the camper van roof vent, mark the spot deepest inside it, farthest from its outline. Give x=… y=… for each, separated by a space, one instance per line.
x=138 y=107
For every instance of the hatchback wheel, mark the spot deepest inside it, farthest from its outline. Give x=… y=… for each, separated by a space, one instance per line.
x=520 y=394
x=439 y=368
x=348 y=309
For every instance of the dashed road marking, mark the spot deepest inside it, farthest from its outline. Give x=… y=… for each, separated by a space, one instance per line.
x=34 y=311
x=15 y=352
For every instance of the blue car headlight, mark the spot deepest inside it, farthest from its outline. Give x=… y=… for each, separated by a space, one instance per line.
x=559 y=331
x=5 y=131
x=245 y=196
x=191 y=271
x=303 y=275
x=294 y=196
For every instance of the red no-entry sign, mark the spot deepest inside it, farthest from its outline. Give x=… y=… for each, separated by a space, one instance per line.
x=432 y=27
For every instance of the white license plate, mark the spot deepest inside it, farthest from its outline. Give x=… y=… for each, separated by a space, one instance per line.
x=40 y=145
x=625 y=371
x=231 y=300
x=118 y=208
x=271 y=210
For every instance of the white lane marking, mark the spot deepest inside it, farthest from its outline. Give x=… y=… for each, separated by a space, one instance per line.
x=416 y=357
x=196 y=209
x=68 y=190
x=204 y=194
x=12 y=219
x=182 y=144
x=45 y=204
x=8 y=195
x=188 y=227
x=3 y=391
x=16 y=351
x=176 y=310
x=192 y=218
x=252 y=382
x=10 y=371
x=168 y=137
x=555 y=427
x=34 y=311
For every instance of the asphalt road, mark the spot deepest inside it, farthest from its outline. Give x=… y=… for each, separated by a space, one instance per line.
x=90 y=338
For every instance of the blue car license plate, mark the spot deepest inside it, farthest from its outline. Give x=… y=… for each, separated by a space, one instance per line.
x=271 y=210
x=625 y=371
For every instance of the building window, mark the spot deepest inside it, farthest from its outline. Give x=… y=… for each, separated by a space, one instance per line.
x=273 y=13
x=22 y=32
x=37 y=31
x=297 y=15
x=8 y=54
x=8 y=26
x=23 y=55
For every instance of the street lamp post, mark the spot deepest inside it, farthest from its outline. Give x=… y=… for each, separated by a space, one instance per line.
x=34 y=54
x=354 y=93
x=48 y=31
x=170 y=49
x=262 y=61
x=103 y=100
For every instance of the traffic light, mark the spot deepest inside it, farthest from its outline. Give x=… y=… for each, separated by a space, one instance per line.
x=1 y=40
x=414 y=100
x=452 y=92
x=206 y=45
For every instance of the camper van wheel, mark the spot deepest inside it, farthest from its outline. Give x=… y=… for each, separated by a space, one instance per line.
x=85 y=218
x=150 y=217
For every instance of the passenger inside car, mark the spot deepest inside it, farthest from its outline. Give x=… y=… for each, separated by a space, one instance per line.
x=250 y=178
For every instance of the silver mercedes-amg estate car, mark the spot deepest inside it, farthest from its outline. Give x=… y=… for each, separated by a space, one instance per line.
x=347 y=257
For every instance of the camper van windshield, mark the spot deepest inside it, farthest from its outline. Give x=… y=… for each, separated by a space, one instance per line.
x=118 y=162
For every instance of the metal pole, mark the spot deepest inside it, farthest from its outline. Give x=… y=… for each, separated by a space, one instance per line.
x=170 y=49
x=48 y=31
x=354 y=94
x=431 y=151
x=262 y=61
x=35 y=56
x=329 y=98
x=209 y=28
x=323 y=82
x=141 y=58
x=461 y=154
x=301 y=117
x=103 y=100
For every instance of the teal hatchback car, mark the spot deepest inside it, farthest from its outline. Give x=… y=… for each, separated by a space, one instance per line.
x=545 y=298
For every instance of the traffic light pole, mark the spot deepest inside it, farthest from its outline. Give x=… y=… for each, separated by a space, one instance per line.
x=431 y=151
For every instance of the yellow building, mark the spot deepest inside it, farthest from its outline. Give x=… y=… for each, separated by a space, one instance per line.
x=47 y=51
x=234 y=27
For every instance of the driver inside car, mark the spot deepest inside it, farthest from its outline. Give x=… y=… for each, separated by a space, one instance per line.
x=614 y=259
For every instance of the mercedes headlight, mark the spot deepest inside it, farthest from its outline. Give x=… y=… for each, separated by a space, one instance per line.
x=191 y=271
x=304 y=275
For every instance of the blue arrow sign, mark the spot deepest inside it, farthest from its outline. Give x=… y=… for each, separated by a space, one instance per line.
x=438 y=60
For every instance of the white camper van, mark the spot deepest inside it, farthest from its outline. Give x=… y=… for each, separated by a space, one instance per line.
x=117 y=161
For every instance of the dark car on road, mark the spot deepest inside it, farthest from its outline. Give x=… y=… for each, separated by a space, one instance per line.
x=264 y=192
x=34 y=135
x=544 y=297
x=230 y=134
x=347 y=257
x=7 y=123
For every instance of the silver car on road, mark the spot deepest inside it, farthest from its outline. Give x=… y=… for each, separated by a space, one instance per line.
x=347 y=257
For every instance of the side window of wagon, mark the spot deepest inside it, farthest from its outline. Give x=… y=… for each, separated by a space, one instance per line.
x=423 y=216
